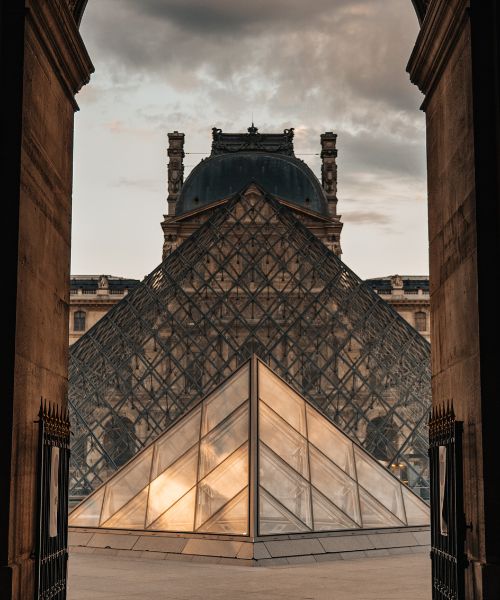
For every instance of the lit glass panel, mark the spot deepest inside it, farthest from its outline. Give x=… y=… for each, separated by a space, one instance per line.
x=285 y=485
x=179 y=517
x=328 y=517
x=176 y=441
x=330 y=441
x=374 y=514
x=225 y=399
x=172 y=484
x=223 y=440
x=282 y=439
x=128 y=483
x=289 y=405
x=275 y=519
x=417 y=512
x=88 y=513
x=375 y=479
x=132 y=515
x=222 y=484
x=334 y=484
x=231 y=519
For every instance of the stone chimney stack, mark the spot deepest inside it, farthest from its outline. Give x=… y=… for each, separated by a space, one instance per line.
x=329 y=169
x=175 y=169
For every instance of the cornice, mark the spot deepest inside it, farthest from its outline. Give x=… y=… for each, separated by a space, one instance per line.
x=57 y=33
x=441 y=27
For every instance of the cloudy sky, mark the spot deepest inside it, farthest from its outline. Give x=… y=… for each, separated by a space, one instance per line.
x=189 y=65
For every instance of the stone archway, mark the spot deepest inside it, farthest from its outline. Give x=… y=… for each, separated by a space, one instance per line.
x=456 y=63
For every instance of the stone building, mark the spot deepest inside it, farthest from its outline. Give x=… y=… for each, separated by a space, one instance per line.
x=409 y=296
x=250 y=267
x=91 y=297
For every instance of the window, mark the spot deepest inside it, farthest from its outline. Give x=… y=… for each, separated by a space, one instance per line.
x=421 y=321
x=79 y=321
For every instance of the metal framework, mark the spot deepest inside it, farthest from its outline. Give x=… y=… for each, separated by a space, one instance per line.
x=251 y=279
x=447 y=512
x=51 y=552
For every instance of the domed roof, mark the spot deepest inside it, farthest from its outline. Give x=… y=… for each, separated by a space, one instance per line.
x=239 y=159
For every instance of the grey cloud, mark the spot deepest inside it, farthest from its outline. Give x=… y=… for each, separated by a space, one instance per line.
x=366 y=217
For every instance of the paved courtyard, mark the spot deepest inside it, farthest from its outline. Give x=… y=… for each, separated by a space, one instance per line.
x=402 y=577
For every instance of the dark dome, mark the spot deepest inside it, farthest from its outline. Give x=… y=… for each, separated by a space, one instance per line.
x=221 y=175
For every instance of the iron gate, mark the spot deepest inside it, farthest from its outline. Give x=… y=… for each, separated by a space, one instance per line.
x=51 y=552
x=447 y=512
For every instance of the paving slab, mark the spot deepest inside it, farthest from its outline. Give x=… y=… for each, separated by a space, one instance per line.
x=106 y=577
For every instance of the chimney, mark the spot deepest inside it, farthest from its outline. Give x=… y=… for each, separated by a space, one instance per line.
x=175 y=169
x=329 y=169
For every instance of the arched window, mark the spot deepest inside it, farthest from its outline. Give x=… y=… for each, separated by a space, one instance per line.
x=421 y=321
x=79 y=320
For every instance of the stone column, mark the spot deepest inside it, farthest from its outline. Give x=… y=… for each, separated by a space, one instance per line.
x=175 y=169
x=44 y=63
x=329 y=169
x=456 y=65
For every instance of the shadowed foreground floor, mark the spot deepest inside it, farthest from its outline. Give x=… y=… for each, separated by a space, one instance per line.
x=95 y=577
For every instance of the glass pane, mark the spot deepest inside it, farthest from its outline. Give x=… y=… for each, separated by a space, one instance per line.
x=285 y=485
x=231 y=519
x=88 y=513
x=274 y=518
x=374 y=514
x=127 y=483
x=334 y=484
x=285 y=441
x=282 y=399
x=385 y=488
x=225 y=399
x=417 y=512
x=223 y=440
x=175 y=442
x=132 y=515
x=330 y=441
x=328 y=517
x=221 y=485
x=179 y=517
x=172 y=484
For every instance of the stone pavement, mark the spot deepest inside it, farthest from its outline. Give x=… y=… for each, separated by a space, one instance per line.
x=99 y=577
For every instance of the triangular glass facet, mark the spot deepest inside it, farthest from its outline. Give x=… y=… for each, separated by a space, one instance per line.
x=223 y=440
x=222 y=484
x=379 y=483
x=127 y=484
x=172 y=484
x=328 y=517
x=374 y=515
x=230 y=519
x=283 y=440
x=275 y=518
x=417 y=513
x=334 y=484
x=286 y=485
x=88 y=514
x=177 y=441
x=132 y=515
x=179 y=517
x=224 y=400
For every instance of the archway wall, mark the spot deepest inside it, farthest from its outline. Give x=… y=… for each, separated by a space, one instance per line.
x=44 y=63
x=453 y=65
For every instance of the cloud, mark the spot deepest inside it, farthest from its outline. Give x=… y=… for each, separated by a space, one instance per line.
x=367 y=217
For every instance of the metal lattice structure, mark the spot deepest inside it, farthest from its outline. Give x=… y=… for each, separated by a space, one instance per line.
x=251 y=279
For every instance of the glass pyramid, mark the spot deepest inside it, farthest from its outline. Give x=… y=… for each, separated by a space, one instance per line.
x=251 y=279
x=253 y=458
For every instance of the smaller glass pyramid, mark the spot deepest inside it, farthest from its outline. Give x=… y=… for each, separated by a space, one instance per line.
x=252 y=458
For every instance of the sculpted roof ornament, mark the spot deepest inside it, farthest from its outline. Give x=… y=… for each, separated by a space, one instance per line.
x=253 y=141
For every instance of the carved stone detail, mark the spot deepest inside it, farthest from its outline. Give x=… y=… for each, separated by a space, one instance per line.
x=175 y=169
